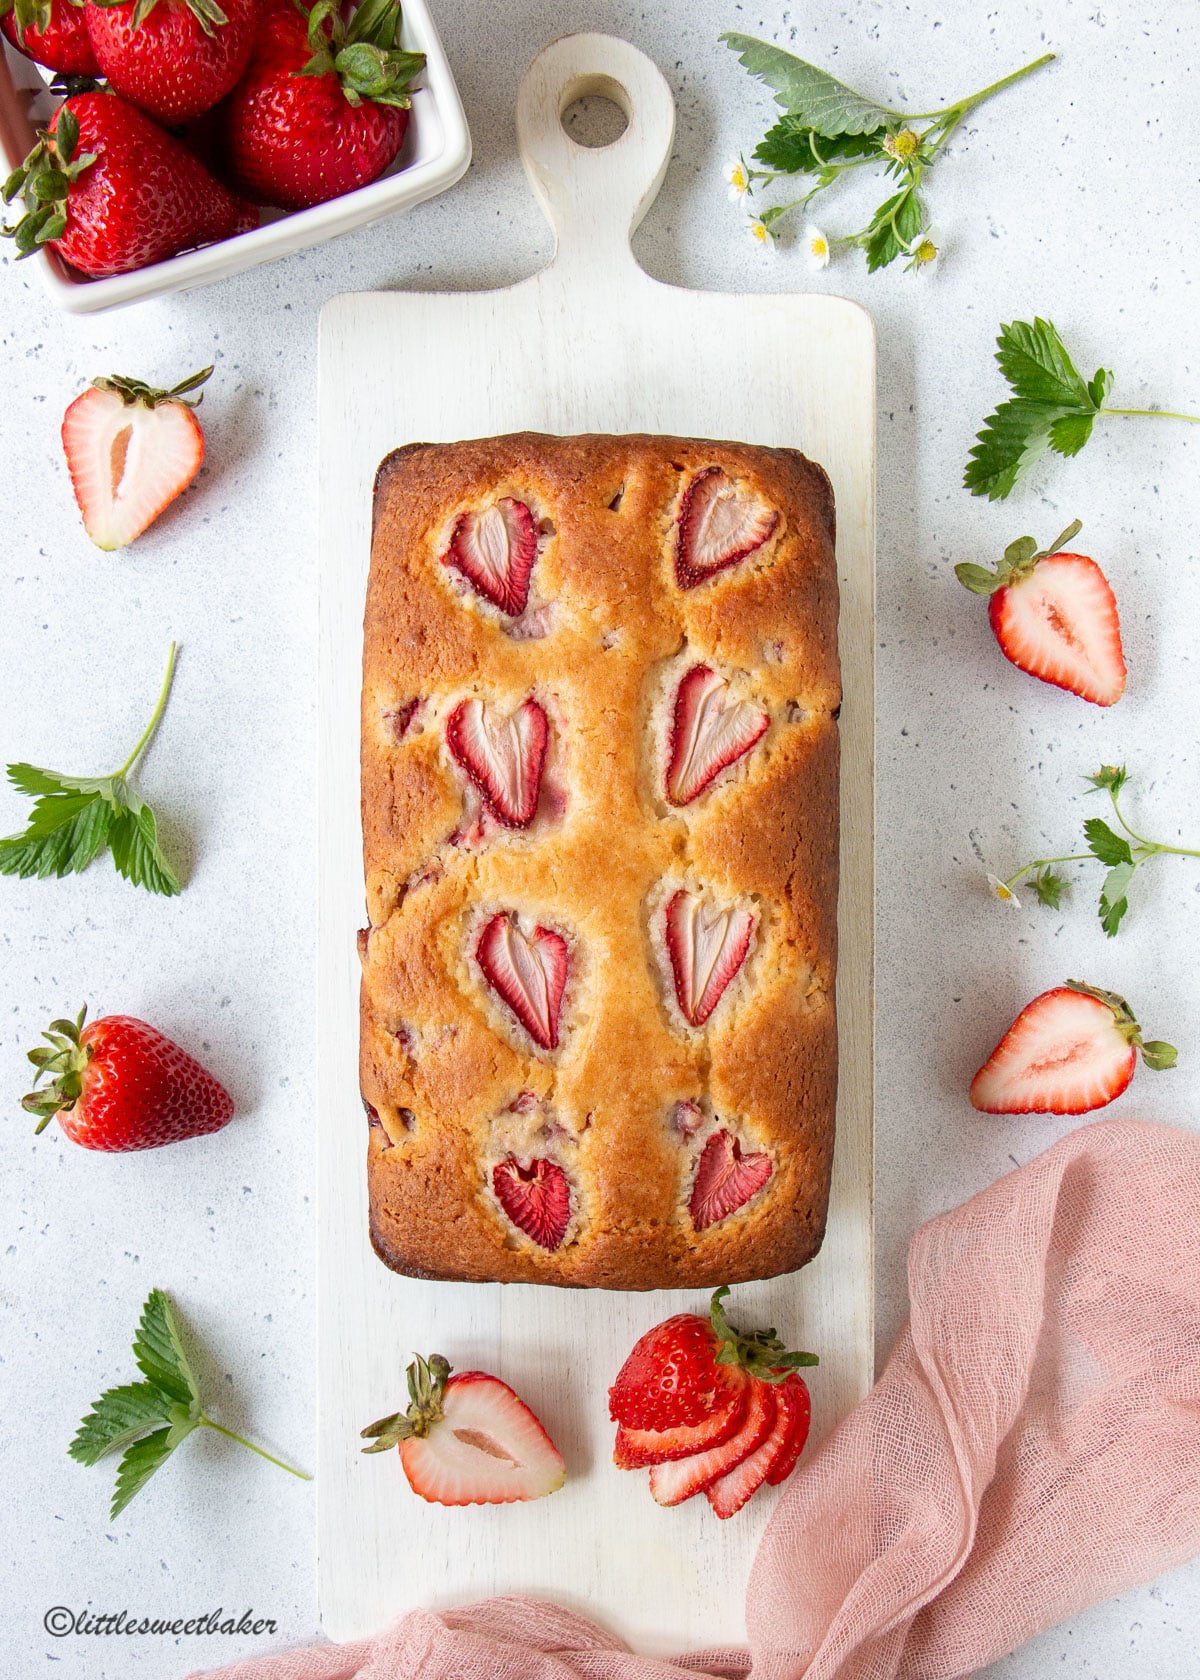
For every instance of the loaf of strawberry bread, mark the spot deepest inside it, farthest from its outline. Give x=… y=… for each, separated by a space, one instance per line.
x=600 y=828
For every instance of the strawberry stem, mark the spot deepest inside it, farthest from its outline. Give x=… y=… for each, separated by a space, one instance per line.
x=220 y=1428
x=1155 y=413
x=160 y=708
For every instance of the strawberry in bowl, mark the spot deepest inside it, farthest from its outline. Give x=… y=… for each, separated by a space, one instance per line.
x=173 y=59
x=324 y=105
x=53 y=33
x=710 y=1409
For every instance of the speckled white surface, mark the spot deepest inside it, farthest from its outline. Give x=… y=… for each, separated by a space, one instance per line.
x=1074 y=196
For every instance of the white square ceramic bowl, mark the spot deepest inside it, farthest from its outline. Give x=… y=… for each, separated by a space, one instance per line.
x=435 y=154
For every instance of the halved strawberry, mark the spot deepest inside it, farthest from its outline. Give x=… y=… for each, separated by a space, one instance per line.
x=1071 y=1050
x=709 y=732
x=719 y=524
x=1055 y=616
x=527 y=974
x=792 y=1395
x=730 y=1492
x=536 y=1196
x=468 y=1440
x=672 y=1483
x=503 y=756
x=131 y=449
x=725 y=1179
x=494 y=550
x=707 y=943
x=635 y=1449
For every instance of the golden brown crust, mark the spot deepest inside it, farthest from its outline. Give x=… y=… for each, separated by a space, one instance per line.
x=442 y=1062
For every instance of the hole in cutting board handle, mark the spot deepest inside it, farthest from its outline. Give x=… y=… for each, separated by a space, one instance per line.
x=594 y=121
x=594 y=111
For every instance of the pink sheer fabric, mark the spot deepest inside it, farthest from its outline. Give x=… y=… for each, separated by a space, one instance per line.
x=1031 y=1448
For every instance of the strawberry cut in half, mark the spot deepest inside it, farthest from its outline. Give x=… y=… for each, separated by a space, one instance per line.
x=536 y=1196
x=528 y=974
x=503 y=756
x=131 y=449
x=494 y=550
x=1071 y=1050
x=1054 y=616
x=725 y=1180
x=719 y=524
x=707 y=944
x=682 y=1478
x=468 y=1439
x=709 y=732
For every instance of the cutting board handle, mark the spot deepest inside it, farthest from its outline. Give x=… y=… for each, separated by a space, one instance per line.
x=594 y=196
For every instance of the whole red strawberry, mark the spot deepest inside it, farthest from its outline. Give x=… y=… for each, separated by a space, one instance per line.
x=175 y=59
x=323 y=107
x=119 y=1084
x=111 y=191
x=51 y=32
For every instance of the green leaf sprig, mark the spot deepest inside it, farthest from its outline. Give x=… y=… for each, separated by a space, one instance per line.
x=1052 y=407
x=75 y=817
x=145 y=1421
x=828 y=130
x=1122 y=855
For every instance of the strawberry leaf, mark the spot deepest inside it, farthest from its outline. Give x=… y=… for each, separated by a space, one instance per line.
x=894 y=226
x=1110 y=848
x=1070 y=432
x=1159 y=1055
x=1009 y=443
x=137 y=855
x=1035 y=362
x=158 y=1351
x=117 y=1418
x=140 y=1462
x=1113 y=902
x=819 y=99
x=794 y=148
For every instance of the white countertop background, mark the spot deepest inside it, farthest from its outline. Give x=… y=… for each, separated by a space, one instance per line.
x=1073 y=196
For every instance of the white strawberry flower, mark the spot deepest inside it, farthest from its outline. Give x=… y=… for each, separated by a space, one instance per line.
x=1003 y=891
x=760 y=232
x=925 y=249
x=738 y=177
x=816 y=244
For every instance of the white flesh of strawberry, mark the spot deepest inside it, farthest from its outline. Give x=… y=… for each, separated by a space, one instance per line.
x=488 y=1448
x=730 y=1492
x=1062 y=1055
x=128 y=462
x=504 y=754
x=528 y=974
x=1061 y=624
x=708 y=945
x=724 y=522
x=679 y=1479
x=710 y=732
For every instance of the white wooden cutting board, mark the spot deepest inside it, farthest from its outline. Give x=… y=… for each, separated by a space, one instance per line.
x=589 y=344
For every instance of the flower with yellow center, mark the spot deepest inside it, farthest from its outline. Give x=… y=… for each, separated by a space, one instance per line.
x=924 y=250
x=902 y=145
x=738 y=179
x=816 y=244
x=1003 y=891
x=761 y=232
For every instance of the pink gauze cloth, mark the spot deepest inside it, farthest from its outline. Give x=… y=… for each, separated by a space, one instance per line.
x=1032 y=1447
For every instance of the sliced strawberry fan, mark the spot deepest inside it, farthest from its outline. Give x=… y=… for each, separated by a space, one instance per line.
x=527 y=973
x=495 y=549
x=503 y=756
x=719 y=524
x=707 y=944
x=709 y=732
